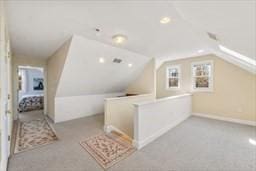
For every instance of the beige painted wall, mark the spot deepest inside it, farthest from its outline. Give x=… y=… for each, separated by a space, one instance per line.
x=119 y=112
x=146 y=82
x=27 y=61
x=234 y=89
x=55 y=66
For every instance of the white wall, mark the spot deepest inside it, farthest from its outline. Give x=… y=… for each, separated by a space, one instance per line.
x=78 y=83
x=67 y=108
x=84 y=75
x=30 y=74
x=154 y=118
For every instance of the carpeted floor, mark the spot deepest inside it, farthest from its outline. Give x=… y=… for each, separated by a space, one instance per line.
x=33 y=134
x=108 y=149
x=32 y=115
x=197 y=144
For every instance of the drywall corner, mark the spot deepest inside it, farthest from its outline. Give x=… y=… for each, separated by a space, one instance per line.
x=55 y=65
x=146 y=82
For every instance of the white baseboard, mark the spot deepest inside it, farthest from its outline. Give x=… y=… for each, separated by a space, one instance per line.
x=240 y=121
x=109 y=128
x=141 y=143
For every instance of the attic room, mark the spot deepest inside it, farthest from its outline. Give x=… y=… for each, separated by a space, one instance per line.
x=128 y=85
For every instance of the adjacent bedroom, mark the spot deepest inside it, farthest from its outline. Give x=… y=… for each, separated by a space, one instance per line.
x=30 y=92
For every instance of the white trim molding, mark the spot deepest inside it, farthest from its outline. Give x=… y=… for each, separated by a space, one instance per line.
x=227 y=119
x=109 y=128
x=210 y=88
x=168 y=77
x=140 y=144
x=171 y=111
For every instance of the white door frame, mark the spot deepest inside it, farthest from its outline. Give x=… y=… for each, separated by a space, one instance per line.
x=44 y=90
x=15 y=66
x=9 y=97
x=4 y=107
x=5 y=65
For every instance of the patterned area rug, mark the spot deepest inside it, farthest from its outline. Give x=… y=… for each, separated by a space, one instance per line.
x=107 y=149
x=31 y=134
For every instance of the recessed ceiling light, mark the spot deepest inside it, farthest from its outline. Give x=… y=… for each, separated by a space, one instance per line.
x=119 y=39
x=130 y=65
x=101 y=60
x=165 y=20
x=252 y=141
x=200 y=51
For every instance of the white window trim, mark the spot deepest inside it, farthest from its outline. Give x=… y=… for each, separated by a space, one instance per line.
x=167 y=77
x=210 y=89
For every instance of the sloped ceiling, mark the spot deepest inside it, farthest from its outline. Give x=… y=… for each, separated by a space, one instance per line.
x=234 y=22
x=84 y=75
x=38 y=28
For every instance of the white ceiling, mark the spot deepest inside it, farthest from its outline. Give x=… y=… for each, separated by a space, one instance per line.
x=38 y=28
x=234 y=22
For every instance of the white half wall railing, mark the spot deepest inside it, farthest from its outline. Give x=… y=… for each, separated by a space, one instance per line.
x=154 y=118
x=119 y=113
x=73 y=107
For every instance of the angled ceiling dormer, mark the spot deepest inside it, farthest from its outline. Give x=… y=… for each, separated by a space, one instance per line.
x=89 y=68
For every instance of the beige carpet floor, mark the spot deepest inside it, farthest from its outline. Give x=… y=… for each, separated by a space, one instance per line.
x=33 y=134
x=107 y=149
x=197 y=144
x=32 y=115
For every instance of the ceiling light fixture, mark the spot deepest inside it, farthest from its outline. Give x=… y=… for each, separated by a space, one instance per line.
x=130 y=65
x=119 y=39
x=101 y=60
x=252 y=141
x=165 y=20
x=237 y=55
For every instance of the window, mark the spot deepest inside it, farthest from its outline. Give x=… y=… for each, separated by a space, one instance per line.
x=202 y=76
x=173 y=77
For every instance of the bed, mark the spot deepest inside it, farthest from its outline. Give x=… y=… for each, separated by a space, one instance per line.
x=31 y=102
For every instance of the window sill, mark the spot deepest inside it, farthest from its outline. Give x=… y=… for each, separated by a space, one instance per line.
x=173 y=88
x=202 y=90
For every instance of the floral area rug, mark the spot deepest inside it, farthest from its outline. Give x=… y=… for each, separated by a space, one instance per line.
x=32 y=134
x=107 y=149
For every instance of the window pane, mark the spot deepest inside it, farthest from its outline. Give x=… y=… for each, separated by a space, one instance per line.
x=196 y=70
x=202 y=82
x=173 y=82
x=173 y=72
x=206 y=69
x=201 y=70
x=20 y=83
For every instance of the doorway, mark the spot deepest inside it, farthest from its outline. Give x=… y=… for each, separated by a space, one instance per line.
x=30 y=96
x=33 y=127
